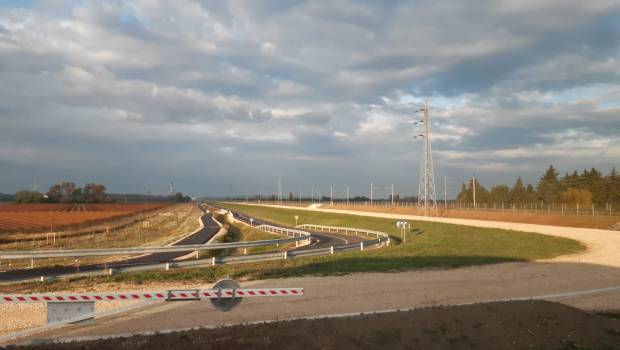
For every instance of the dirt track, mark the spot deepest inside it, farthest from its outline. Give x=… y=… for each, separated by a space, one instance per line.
x=503 y=325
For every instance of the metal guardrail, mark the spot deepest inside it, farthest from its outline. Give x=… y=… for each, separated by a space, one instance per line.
x=213 y=261
x=296 y=235
x=381 y=236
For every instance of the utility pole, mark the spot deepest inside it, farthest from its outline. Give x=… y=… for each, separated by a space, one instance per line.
x=312 y=196
x=427 y=198
x=279 y=191
x=299 y=197
x=473 y=181
x=371 y=194
x=347 y=195
x=331 y=194
x=392 y=195
x=445 y=192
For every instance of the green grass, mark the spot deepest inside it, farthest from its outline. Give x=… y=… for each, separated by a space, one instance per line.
x=447 y=244
x=428 y=245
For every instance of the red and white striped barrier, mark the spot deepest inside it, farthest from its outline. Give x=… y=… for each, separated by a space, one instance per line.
x=192 y=294
x=74 y=307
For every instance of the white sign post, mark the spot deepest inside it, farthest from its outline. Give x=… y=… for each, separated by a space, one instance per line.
x=403 y=226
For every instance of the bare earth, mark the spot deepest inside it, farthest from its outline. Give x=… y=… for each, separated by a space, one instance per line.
x=501 y=325
x=573 y=280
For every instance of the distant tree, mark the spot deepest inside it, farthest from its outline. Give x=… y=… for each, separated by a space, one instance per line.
x=500 y=194
x=530 y=193
x=76 y=196
x=66 y=192
x=548 y=188
x=94 y=193
x=464 y=195
x=54 y=193
x=518 y=194
x=467 y=193
x=613 y=187
x=23 y=197
x=577 y=196
x=178 y=197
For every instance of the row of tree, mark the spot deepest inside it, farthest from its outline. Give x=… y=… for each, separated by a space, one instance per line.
x=66 y=192
x=589 y=187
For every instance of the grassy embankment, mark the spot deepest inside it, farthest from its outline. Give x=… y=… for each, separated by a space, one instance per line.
x=428 y=244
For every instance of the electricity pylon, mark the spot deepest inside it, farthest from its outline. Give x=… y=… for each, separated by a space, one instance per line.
x=427 y=198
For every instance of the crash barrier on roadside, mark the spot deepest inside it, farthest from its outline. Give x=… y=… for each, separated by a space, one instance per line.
x=74 y=307
x=286 y=231
x=65 y=253
x=213 y=261
x=381 y=236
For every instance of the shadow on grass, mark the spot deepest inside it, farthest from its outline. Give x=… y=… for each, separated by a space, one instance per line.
x=347 y=265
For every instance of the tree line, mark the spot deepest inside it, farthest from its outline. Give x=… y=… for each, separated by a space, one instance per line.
x=590 y=187
x=69 y=192
x=66 y=192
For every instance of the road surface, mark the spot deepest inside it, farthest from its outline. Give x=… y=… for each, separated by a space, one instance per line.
x=317 y=239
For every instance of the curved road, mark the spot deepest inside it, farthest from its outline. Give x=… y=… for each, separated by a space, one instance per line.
x=318 y=240
x=207 y=232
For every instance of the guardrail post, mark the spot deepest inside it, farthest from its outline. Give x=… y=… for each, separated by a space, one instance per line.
x=362 y=245
x=32 y=263
x=196 y=254
x=212 y=261
x=331 y=250
x=285 y=255
x=167 y=266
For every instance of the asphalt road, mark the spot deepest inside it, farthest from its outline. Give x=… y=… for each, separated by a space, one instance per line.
x=317 y=240
x=200 y=237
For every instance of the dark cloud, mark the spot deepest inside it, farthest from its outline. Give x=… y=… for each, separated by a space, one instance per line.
x=224 y=96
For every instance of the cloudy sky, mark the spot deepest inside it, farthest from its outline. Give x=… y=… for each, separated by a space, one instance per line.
x=224 y=97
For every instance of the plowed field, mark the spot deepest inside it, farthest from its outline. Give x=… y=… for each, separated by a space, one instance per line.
x=17 y=217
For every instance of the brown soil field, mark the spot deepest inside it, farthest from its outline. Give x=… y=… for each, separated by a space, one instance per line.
x=497 y=325
x=51 y=217
x=585 y=221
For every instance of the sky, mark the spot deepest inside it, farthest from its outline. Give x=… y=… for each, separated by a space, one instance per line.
x=222 y=98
